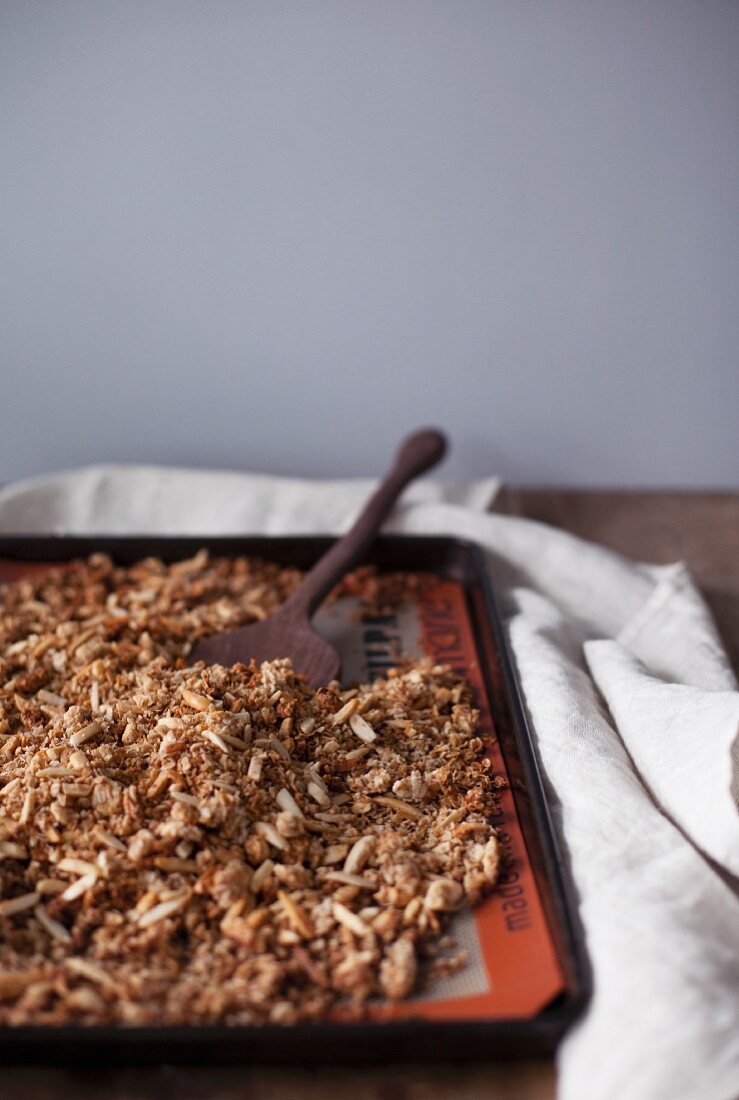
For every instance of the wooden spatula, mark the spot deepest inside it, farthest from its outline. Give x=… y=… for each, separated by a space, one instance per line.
x=288 y=632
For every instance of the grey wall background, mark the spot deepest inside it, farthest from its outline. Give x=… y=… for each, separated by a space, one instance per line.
x=275 y=234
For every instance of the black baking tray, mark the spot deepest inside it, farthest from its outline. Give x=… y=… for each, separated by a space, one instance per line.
x=403 y=1040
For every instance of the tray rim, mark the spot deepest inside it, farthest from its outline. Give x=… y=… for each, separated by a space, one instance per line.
x=436 y=1040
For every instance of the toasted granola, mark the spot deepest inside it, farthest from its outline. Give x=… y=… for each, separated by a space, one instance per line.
x=205 y=844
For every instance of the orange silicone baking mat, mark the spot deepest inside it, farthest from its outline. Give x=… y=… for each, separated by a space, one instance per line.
x=512 y=970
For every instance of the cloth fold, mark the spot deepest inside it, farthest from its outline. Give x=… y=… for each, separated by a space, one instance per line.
x=635 y=712
x=692 y=786
x=165 y=500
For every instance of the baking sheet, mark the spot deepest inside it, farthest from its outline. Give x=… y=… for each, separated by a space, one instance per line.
x=527 y=976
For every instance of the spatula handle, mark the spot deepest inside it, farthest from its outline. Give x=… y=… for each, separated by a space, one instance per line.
x=418 y=453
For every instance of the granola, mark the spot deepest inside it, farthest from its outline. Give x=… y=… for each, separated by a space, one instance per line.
x=191 y=844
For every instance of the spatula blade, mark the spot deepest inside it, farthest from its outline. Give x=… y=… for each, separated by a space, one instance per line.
x=277 y=637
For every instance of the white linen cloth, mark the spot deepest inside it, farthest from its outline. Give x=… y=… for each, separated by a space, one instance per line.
x=636 y=714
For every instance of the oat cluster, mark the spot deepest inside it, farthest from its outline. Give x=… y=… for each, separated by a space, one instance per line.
x=204 y=844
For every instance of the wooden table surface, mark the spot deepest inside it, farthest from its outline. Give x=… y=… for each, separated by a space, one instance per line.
x=699 y=528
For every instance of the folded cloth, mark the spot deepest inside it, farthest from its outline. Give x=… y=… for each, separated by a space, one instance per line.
x=636 y=715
